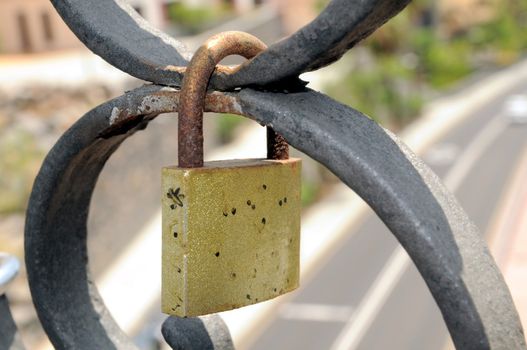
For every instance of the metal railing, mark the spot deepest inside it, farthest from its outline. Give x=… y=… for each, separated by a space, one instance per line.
x=443 y=243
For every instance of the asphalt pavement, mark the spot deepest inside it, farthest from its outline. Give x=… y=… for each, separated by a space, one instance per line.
x=367 y=296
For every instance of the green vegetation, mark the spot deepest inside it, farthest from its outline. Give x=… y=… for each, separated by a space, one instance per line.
x=19 y=160
x=505 y=35
x=385 y=90
x=227 y=125
x=308 y=192
x=321 y=4
x=192 y=20
x=411 y=58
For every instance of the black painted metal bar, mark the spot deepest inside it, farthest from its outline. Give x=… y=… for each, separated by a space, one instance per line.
x=67 y=301
x=408 y=197
x=114 y=31
x=197 y=333
x=9 y=336
x=443 y=243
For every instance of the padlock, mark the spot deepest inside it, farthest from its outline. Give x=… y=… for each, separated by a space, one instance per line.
x=231 y=229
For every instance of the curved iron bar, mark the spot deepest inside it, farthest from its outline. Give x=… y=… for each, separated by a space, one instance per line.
x=197 y=333
x=114 y=31
x=9 y=336
x=443 y=243
x=67 y=301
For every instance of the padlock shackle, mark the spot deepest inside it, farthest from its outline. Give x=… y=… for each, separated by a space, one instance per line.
x=194 y=89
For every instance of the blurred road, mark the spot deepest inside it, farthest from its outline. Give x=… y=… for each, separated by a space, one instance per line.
x=369 y=295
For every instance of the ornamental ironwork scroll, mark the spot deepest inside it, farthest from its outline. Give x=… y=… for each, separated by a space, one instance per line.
x=443 y=243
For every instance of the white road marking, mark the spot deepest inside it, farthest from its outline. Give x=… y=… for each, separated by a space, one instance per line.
x=380 y=290
x=358 y=325
x=442 y=154
x=316 y=312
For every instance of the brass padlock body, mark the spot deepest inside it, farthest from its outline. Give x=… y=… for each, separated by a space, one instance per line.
x=231 y=234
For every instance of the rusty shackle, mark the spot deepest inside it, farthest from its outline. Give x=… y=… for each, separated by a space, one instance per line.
x=194 y=89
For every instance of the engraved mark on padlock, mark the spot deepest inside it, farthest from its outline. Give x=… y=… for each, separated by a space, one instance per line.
x=234 y=245
x=176 y=197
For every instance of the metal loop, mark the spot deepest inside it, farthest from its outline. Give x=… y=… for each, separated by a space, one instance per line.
x=193 y=91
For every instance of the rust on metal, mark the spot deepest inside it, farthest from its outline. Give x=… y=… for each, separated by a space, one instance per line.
x=194 y=88
x=148 y=106
x=277 y=147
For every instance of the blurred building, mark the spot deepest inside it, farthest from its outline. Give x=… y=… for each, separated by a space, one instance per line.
x=296 y=13
x=32 y=26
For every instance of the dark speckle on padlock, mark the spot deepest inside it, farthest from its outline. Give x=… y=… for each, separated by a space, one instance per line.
x=274 y=290
x=233 y=211
x=285 y=199
x=233 y=275
x=248 y=296
x=225 y=214
x=178 y=270
x=264 y=186
x=175 y=234
x=253 y=206
x=217 y=254
x=263 y=221
x=248 y=202
x=280 y=202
